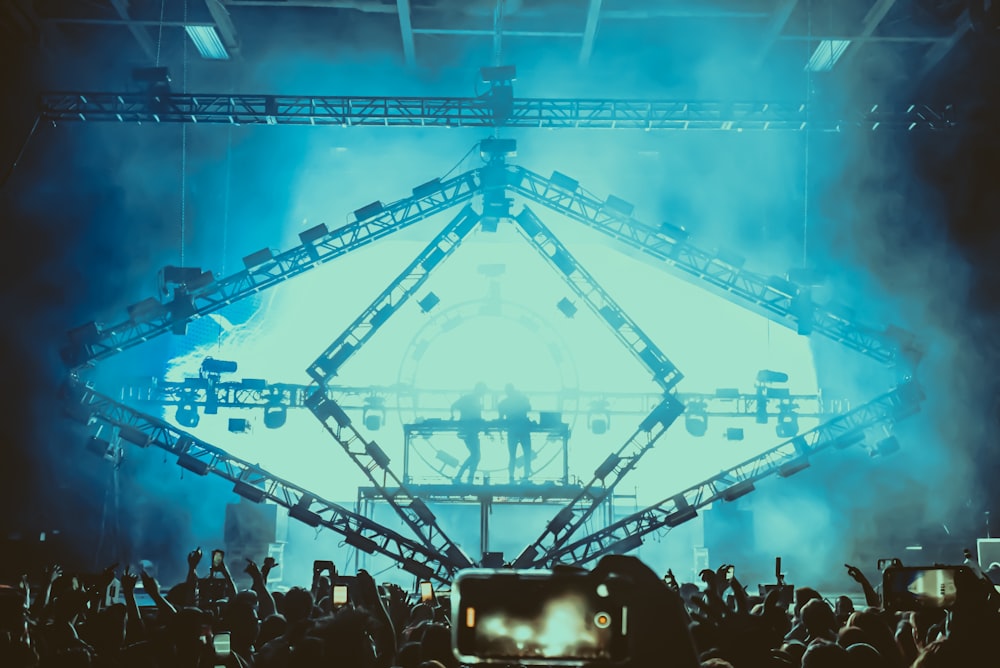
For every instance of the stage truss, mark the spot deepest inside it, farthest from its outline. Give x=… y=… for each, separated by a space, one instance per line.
x=429 y=552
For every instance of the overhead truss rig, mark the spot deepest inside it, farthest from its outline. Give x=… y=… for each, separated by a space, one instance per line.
x=190 y=292
x=774 y=297
x=257 y=393
x=481 y=112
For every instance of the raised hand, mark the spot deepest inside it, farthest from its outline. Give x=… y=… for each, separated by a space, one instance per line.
x=253 y=571
x=855 y=573
x=128 y=581
x=149 y=583
x=194 y=557
x=53 y=573
x=269 y=564
x=108 y=574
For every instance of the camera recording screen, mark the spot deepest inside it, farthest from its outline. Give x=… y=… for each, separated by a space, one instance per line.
x=915 y=588
x=526 y=618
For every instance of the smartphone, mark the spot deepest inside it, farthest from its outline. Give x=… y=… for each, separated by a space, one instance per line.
x=339 y=595
x=221 y=644
x=217 y=559
x=922 y=587
x=426 y=591
x=533 y=617
x=730 y=572
x=321 y=566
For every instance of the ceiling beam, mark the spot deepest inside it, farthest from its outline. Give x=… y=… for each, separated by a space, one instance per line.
x=224 y=24
x=138 y=32
x=406 y=32
x=871 y=22
x=590 y=31
x=938 y=52
x=474 y=32
x=777 y=23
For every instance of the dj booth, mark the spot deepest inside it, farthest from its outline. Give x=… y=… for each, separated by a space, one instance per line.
x=448 y=453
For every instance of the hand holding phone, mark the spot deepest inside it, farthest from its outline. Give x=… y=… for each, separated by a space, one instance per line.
x=426 y=592
x=218 y=560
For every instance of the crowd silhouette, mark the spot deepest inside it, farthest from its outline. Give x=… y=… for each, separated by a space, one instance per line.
x=123 y=618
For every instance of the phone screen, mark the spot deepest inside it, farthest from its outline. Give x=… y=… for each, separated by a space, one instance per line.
x=426 y=591
x=340 y=594
x=534 y=617
x=217 y=557
x=916 y=588
x=220 y=641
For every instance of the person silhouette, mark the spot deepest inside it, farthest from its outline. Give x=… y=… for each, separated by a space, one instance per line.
x=513 y=409
x=469 y=408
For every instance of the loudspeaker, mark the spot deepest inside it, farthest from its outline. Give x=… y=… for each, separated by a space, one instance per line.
x=254 y=524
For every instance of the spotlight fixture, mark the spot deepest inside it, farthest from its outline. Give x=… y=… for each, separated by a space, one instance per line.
x=213 y=368
x=696 y=418
x=788 y=420
x=567 y=307
x=373 y=414
x=207 y=41
x=187 y=414
x=599 y=417
x=275 y=412
x=239 y=425
x=765 y=376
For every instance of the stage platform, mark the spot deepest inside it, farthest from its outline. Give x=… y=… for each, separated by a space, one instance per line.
x=519 y=492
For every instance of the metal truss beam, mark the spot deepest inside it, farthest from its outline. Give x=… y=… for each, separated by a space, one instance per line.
x=367 y=455
x=785 y=459
x=664 y=372
x=771 y=296
x=478 y=112
x=151 y=318
x=606 y=477
x=372 y=460
x=395 y=295
x=251 y=481
x=253 y=393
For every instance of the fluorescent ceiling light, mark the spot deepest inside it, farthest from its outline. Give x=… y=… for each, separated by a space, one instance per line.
x=206 y=39
x=827 y=54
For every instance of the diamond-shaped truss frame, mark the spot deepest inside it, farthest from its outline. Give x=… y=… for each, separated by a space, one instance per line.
x=434 y=554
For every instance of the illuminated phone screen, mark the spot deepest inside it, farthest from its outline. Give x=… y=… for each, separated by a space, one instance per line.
x=340 y=595
x=426 y=591
x=538 y=619
x=917 y=588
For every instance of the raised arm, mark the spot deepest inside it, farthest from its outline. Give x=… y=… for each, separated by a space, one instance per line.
x=152 y=587
x=134 y=630
x=259 y=577
x=871 y=597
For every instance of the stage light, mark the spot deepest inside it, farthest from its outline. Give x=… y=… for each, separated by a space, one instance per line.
x=377 y=454
x=609 y=465
x=738 y=490
x=734 y=434
x=566 y=307
x=239 y=425
x=495 y=147
x=788 y=420
x=559 y=522
x=626 y=545
x=885 y=447
x=684 y=513
x=766 y=376
x=498 y=74
x=355 y=539
x=446 y=459
x=599 y=417
x=373 y=414
x=99 y=447
x=696 y=418
x=301 y=512
x=153 y=77
x=313 y=234
x=196 y=466
x=422 y=512
x=794 y=466
x=133 y=435
x=249 y=492
x=187 y=414
x=617 y=207
x=492 y=560
x=560 y=180
x=146 y=310
x=420 y=570
x=428 y=302
x=258 y=258
x=213 y=368
x=368 y=211
x=275 y=415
